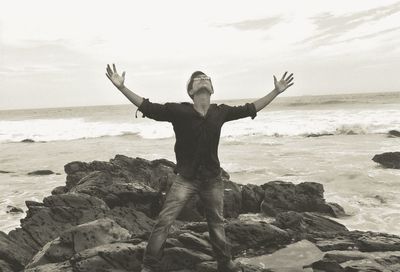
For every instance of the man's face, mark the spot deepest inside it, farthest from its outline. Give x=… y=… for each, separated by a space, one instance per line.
x=202 y=83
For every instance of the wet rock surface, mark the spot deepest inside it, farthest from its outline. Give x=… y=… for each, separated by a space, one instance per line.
x=388 y=159
x=101 y=220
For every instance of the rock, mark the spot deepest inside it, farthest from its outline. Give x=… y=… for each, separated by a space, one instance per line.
x=394 y=133
x=31 y=203
x=126 y=193
x=59 y=190
x=307 y=223
x=232 y=199
x=5 y=172
x=363 y=266
x=40 y=172
x=255 y=235
x=59 y=213
x=379 y=243
x=119 y=191
x=13 y=209
x=13 y=255
x=5 y=267
x=156 y=174
x=134 y=181
x=27 y=141
x=79 y=238
x=195 y=241
x=141 y=184
x=211 y=266
x=252 y=196
x=327 y=266
x=283 y=196
x=319 y=135
x=121 y=257
x=52 y=267
x=338 y=243
x=177 y=258
x=334 y=209
x=293 y=257
x=388 y=159
x=129 y=218
x=354 y=260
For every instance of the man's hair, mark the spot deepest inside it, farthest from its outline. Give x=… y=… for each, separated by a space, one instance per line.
x=189 y=85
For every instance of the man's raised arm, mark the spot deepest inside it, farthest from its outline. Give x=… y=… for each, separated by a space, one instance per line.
x=118 y=81
x=280 y=87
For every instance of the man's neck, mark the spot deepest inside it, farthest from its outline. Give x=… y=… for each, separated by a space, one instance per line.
x=201 y=107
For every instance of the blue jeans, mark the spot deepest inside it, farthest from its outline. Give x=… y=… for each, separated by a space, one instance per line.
x=211 y=192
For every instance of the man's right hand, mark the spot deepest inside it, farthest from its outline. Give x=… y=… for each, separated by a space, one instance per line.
x=116 y=79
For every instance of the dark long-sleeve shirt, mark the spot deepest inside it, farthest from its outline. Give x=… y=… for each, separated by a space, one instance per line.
x=197 y=136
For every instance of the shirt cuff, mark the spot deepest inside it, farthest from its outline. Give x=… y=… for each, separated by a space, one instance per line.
x=252 y=110
x=142 y=108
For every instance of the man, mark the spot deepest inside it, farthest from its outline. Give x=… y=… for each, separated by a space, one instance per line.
x=197 y=130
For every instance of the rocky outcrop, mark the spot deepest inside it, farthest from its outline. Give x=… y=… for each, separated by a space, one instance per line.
x=101 y=220
x=304 y=197
x=388 y=159
x=393 y=133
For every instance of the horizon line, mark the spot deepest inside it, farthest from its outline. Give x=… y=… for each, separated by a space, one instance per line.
x=230 y=99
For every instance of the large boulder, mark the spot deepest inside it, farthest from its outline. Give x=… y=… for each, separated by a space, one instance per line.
x=152 y=173
x=120 y=256
x=283 y=196
x=119 y=191
x=307 y=222
x=388 y=159
x=78 y=238
x=255 y=236
x=354 y=260
x=57 y=214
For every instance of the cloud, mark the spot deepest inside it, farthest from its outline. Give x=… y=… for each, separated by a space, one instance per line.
x=372 y=35
x=330 y=27
x=257 y=24
x=36 y=57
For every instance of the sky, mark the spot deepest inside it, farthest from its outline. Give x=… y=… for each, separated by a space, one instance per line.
x=54 y=53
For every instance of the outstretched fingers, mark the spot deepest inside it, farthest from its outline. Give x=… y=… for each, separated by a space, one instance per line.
x=109 y=71
x=283 y=78
x=289 y=79
x=115 y=69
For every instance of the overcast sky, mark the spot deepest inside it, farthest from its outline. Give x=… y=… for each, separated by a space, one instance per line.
x=54 y=53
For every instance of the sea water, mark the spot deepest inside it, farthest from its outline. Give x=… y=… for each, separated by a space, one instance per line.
x=276 y=145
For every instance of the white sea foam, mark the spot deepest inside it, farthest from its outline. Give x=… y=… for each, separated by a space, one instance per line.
x=268 y=123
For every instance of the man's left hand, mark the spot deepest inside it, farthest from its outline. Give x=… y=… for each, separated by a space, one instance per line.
x=284 y=83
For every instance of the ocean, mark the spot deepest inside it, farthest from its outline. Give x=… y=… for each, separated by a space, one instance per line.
x=276 y=145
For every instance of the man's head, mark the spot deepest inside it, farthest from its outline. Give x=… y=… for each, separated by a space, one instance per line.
x=199 y=83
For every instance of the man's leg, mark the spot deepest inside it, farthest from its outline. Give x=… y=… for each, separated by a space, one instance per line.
x=178 y=195
x=212 y=196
